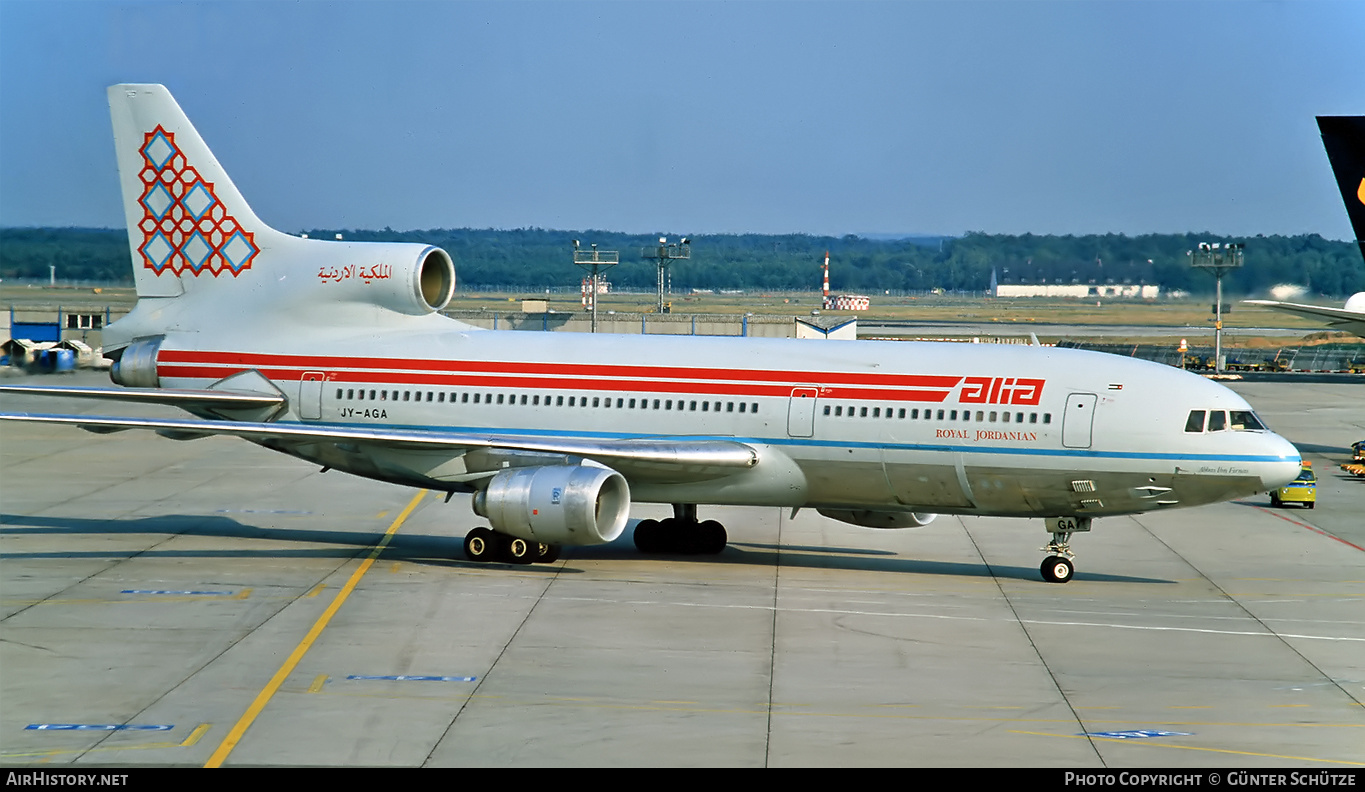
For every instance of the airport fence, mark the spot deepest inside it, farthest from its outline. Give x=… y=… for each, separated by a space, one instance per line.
x=1318 y=357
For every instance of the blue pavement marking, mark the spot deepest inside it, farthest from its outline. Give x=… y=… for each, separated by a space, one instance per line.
x=95 y=727
x=408 y=678
x=168 y=591
x=1138 y=734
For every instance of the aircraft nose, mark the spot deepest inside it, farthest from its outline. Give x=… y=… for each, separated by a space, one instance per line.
x=1277 y=473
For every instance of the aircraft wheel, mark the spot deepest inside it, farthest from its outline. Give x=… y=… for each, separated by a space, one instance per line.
x=519 y=551
x=480 y=545
x=712 y=537
x=546 y=553
x=648 y=536
x=1057 y=569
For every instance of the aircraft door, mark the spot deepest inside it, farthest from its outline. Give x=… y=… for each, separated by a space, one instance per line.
x=1077 y=420
x=801 y=412
x=310 y=395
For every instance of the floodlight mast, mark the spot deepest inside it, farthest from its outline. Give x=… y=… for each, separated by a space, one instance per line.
x=594 y=261
x=1219 y=259
x=663 y=255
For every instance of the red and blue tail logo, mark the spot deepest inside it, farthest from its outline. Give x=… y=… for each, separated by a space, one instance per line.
x=185 y=227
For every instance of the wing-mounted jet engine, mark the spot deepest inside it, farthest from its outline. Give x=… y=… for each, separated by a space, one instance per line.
x=533 y=510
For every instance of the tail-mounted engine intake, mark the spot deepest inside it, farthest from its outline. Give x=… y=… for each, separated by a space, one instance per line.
x=879 y=519
x=560 y=504
x=407 y=278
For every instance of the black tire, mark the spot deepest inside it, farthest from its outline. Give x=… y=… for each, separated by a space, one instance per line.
x=711 y=537
x=481 y=545
x=1275 y=500
x=516 y=550
x=547 y=553
x=648 y=536
x=1057 y=569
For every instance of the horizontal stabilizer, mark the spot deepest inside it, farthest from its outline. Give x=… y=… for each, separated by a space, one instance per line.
x=187 y=399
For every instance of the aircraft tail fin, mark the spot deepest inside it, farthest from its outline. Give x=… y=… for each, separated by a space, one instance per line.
x=201 y=257
x=185 y=217
x=1344 y=139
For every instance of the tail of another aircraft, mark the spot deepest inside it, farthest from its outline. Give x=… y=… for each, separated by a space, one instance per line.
x=1344 y=139
x=202 y=259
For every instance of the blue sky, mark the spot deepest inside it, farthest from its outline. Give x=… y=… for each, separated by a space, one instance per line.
x=704 y=117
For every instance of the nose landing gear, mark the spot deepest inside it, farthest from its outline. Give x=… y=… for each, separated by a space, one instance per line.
x=1058 y=566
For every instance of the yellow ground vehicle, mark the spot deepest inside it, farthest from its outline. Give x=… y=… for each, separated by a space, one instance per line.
x=1303 y=489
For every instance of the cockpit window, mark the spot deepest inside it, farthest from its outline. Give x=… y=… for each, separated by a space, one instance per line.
x=1245 y=420
x=1218 y=421
x=1195 y=423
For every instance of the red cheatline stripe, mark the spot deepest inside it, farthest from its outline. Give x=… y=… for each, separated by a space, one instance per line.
x=388 y=379
x=551 y=369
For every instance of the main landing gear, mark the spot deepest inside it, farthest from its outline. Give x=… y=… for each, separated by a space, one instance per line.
x=485 y=544
x=681 y=534
x=1058 y=567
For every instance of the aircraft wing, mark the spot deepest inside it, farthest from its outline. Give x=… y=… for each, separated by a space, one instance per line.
x=663 y=459
x=1339 y=318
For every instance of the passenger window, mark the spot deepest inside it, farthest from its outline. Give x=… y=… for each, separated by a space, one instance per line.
x=1218 y=421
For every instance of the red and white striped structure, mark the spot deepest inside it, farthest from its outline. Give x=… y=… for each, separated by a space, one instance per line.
x=843 y=302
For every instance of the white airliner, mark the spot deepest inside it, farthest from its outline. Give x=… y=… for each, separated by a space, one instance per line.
x=1344 y=139
x=337 y=353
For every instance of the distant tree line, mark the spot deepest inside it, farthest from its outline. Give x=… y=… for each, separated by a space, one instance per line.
x=536 y=259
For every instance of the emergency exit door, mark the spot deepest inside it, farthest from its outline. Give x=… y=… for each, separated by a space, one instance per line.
x=310 y=395
x=801 y=412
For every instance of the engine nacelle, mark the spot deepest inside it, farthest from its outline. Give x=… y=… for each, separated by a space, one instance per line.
x=136 y=365
x=404 y=277
x=879 y=519
x=559 y=504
